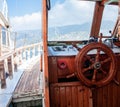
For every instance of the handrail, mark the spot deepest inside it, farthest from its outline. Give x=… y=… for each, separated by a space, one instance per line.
x=11 y=60
x=8 y=54
x=28 y=46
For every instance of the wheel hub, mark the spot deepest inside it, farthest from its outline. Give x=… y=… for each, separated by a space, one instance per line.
x=97 y=65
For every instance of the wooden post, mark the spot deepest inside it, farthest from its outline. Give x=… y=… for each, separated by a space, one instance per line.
x=10 y=66
x=6 y=67
x=115 y=31
x=119 y=12
x=2 y=75
x=33 y=51
x=15 y=41
x=24 y=54
x=45 y=56
x=41 y=57
x=28 y=53
x=38 y=47
x=41 y=60
x=20 y=57
x=98 y=12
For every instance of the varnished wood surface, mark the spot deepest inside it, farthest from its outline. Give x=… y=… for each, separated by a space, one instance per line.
x=70 y=95
x=106 y=96
x=117 y=44
x=45 y=50
x=7 y=93
x=97 y=18
x=109 y=95
x=55 y=72
x=29 y=84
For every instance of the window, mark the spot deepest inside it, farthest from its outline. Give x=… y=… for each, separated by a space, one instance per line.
x=109 y=19
x=3 y=36
x=70 y=20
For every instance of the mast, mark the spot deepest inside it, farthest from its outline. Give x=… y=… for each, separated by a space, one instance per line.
x=45 y=51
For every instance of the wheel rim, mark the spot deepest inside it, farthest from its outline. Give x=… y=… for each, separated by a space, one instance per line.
x=96 y=69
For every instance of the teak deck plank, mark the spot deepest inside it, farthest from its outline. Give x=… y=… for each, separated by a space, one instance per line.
x=29 y=83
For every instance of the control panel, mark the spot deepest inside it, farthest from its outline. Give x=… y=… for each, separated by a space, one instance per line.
x=62 y=50
x=69 y=50
x=67 y=60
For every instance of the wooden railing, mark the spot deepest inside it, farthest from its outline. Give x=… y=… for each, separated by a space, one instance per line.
x=8 y=60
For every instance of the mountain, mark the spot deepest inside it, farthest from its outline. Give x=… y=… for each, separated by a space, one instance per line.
x=69 y=32
x=106 y=25
x=77 y=32
x=27 y=37
x=69 y=28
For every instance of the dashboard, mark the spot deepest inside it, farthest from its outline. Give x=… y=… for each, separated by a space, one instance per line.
x=67 y=50
x=70 y=50
x=82 y=60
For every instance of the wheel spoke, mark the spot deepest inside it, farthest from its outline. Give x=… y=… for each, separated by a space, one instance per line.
x=88 y=68
x=106 y=60
x=95 y=65
x=104 y=72
x=97 y=55
x=90 y=59
x=94 y=75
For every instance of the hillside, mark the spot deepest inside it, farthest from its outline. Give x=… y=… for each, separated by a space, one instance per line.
x=69 y=32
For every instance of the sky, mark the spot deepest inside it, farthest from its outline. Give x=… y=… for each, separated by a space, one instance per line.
x=26 y=14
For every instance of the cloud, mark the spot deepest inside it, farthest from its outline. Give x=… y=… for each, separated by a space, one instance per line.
x=62 y=13
x=26 y=22
x=71 y=12
x=76 y=12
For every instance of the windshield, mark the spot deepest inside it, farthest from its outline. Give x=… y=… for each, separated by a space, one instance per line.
x=70 y=20
x=109 y=19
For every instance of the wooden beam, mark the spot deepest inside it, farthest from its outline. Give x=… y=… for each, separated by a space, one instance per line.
x=119 y=11
x=45 y=51
x=115 y=31
x=10 y=66
x=118 y=27
x=4 y=20
x=105 y=2
x=98 y=12
x=115 y=28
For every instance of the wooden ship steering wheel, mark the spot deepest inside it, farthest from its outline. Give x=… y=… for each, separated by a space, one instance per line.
x=95 y=64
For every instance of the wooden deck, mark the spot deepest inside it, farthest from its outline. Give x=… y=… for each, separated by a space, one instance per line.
x=29 y=87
